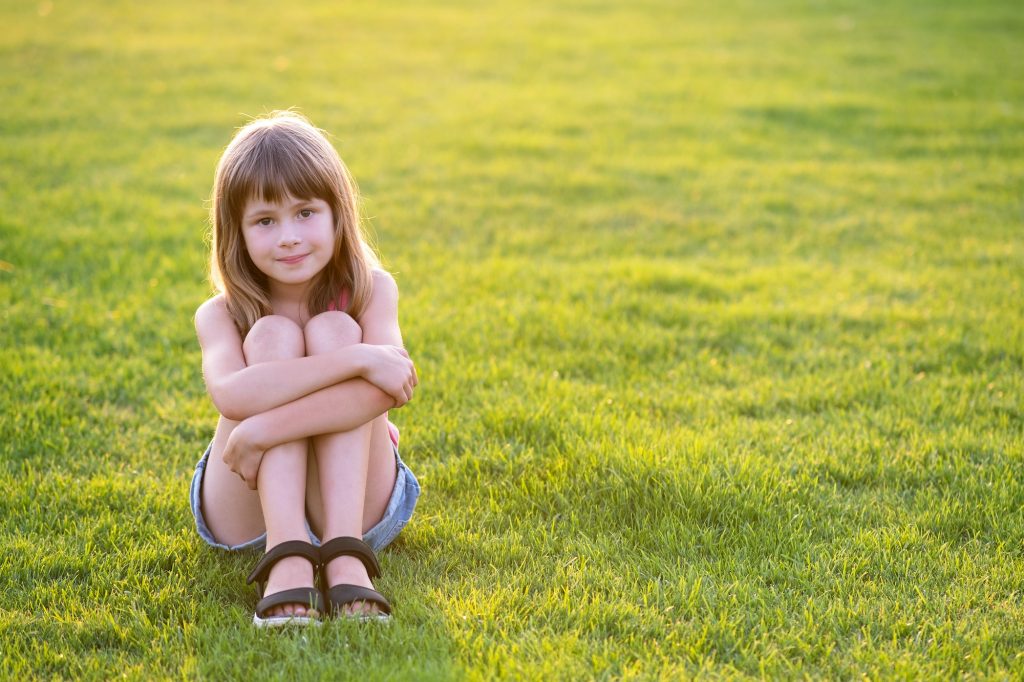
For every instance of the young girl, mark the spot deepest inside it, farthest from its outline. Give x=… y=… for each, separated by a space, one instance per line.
x=303 y=358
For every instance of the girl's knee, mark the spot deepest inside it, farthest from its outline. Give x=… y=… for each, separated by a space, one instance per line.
x=330 y=330
x=273 y=337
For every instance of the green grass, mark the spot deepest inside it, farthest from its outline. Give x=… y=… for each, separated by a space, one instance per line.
x=717 y=309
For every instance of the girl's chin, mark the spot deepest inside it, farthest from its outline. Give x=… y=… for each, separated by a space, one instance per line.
x=285 y=280
x=292 y=281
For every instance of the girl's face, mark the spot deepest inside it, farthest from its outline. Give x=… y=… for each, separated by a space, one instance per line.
x=290 y=241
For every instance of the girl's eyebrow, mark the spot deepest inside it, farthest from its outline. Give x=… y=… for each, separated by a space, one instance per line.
x=271 y=208
x=257 y=213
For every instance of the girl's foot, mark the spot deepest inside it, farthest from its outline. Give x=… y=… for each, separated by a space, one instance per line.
x=349 y=570
x=286 y=585
x=288 y=573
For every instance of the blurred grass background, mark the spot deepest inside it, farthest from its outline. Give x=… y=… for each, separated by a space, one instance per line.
x=716 y=307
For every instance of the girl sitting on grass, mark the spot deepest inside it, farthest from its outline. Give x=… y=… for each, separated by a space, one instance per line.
x=303 y=358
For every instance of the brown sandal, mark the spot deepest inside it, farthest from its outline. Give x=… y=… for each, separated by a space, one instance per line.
x=339 y=596
x=308 y=596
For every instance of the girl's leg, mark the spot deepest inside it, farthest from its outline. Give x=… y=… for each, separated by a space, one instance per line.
x=231 y=511
x=355 y=470
x=380 y=481
x=279 y=502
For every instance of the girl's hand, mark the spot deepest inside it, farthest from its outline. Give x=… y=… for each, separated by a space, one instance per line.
x=390 y=369
x=243 y=455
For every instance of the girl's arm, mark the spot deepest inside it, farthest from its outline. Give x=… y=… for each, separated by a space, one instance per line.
x=319 y=412
x=346 y=406
x=239 y=391
x=310 y=415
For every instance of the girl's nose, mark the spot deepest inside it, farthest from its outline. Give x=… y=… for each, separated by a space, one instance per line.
x=289 y=238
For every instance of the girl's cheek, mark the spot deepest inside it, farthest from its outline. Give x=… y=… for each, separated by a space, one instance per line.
x=251 y=246
x=252 y=241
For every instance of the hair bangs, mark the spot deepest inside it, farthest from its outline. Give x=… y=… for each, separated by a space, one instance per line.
x=281 y=164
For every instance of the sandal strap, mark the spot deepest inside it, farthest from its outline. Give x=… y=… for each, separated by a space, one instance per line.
x=285 y=549
x=307 y=596
x=340 y=595
x=349 y=546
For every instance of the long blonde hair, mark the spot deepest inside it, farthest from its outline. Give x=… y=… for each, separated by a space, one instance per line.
x=269 y=159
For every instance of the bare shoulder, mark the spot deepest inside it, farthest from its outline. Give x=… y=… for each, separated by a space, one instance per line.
x=213 y=321
x=210 y=311
x=380 y=319
x=384 y=296
x=384 y=284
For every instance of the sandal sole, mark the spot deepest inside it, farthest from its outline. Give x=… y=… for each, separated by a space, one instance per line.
x=285 y=621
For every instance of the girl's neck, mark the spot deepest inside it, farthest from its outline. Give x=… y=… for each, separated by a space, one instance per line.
x=289 y=300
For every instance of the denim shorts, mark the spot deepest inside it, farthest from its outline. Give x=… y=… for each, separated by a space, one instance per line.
x=399 y=511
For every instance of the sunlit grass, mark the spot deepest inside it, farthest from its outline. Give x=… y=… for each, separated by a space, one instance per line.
x=717 y=311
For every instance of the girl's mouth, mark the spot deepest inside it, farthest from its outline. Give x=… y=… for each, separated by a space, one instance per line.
x=291 y=260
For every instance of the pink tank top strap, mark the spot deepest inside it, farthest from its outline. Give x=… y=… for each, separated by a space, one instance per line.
x=342 y=301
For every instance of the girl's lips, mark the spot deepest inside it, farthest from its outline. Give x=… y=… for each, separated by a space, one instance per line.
x=292 y=259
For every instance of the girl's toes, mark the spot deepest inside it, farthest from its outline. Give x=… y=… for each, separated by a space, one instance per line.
x=362 y=609
x=288 y=611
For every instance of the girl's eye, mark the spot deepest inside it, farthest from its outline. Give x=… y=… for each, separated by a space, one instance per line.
x=306 y=212
x=264 y=221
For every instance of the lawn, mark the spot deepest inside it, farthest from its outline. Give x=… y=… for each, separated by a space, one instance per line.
x=717 y=310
